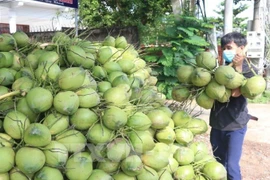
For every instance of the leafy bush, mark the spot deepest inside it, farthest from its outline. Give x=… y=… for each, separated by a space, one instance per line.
x=180 y=38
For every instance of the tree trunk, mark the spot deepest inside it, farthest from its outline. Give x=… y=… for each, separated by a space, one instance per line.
x=177 y=6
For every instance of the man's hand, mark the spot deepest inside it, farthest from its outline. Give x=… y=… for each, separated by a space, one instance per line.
x=236 y=92
x=238 y=60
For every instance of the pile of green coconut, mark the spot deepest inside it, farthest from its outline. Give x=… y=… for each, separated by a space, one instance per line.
x=206 y=81
x=80 y=110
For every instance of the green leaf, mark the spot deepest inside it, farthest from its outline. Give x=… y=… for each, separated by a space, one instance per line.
x=151 y=58
x=196 y=40
x=169 y=71
x=185 y=30
x=171 y=31
x=166 y=60
x=188 y=54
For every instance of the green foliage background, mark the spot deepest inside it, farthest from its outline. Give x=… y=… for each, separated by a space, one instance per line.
x=101 y=13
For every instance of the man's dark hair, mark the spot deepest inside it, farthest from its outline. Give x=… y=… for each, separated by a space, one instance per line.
x=236 y=37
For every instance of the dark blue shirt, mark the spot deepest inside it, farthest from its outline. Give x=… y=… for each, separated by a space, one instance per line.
x=232 y=115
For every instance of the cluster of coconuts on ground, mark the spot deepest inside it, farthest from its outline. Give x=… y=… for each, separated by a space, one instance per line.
x=207 y=81
x=80 y=110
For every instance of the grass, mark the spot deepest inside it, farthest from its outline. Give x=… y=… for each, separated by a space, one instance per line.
x=264 y=98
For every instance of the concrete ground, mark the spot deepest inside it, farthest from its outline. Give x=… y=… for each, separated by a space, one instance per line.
x=257 y=130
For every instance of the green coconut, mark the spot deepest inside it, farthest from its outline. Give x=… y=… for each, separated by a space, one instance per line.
x=103 y=86
x=126 y=65
x=6 y=59
x=117 y=96
x=6 y=76
x=157 y=158
x=215 y=90
x=181 y=118
x=200 y=77
x=184 y=155
x=56 y=122
x=79 y=166
x=48 y=57
x=236 y=82
x=89 y=81
x=166 y=135
x=29 y=159
x=120 y=175
x=25 y=71
x=99 y=72
x=184 y=73
x=141 y=141
x=88 y=97
x=73 y=140
x=15 y=124
x=89 y=61
x=107 y=53
x=180 y=93
x=204 y=101
x=224 y=74
x=37 y=135
x=253 y=87
x=148 y=173
x=122 y=79
x=139 y=121
x=39 y=99
x=18 y=60
x=75 y=55
x=206 y=60
x=71 y=78
x=21 y=38
x=114 y=118
x=86 y=45
x=47 y=72
x=98 y=134
x=118 y=149
x=121 y=42
x=99 y=174
x=184 y=172
x=7 y=42
x=112 y=66
x=183 y=136
x=107 y=165
x=60 y=37
x=132 y=165
x=66 y=102
x=23 y=84
x=197 y=126
x=22 y=106
x=226 y=96
x=109 y=41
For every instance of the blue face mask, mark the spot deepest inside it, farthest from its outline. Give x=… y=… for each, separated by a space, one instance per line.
x=228 y=55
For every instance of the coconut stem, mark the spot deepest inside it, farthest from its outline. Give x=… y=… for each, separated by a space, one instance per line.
x=10 y=94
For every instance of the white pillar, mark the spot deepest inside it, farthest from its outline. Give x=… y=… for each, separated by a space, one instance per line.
x=228 y=16
x=12 y=17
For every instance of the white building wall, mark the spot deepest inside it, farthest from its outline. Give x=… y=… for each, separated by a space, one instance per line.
x=39 y=16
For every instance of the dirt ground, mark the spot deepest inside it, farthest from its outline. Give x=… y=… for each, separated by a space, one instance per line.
x=255 y=158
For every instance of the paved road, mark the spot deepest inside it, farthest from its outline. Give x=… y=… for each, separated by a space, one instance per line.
x=258 y=131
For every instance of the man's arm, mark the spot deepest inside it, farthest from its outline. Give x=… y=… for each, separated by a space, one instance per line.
x=238 y=66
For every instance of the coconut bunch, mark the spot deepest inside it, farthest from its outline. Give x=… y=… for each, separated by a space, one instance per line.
x=80 y=110
x=206 y=81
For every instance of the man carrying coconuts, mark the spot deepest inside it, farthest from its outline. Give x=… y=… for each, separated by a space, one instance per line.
x=229 y=120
